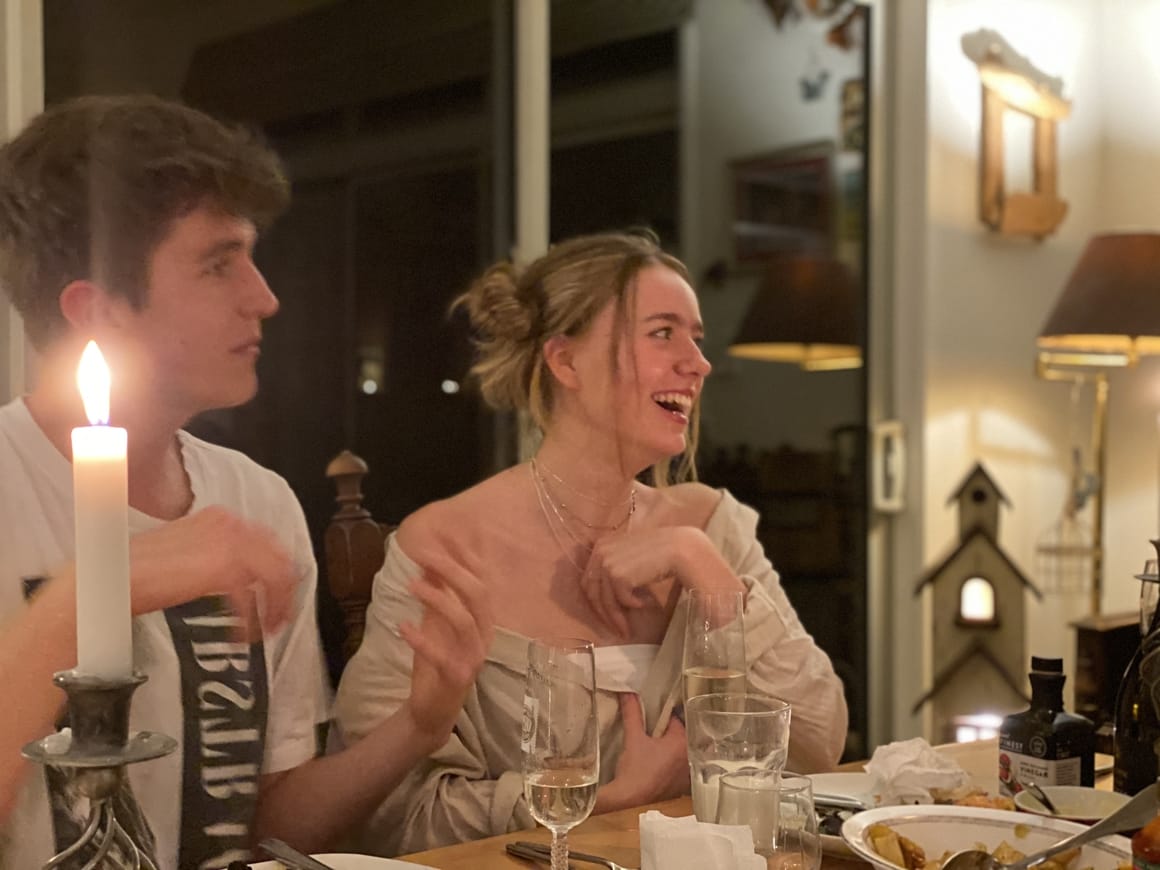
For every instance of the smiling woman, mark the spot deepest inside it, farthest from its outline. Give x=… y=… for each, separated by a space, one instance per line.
x=600 y=341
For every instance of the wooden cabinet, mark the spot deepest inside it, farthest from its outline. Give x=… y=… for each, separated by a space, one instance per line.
x=1103 y=647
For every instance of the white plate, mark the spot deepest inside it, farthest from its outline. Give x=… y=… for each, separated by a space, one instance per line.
x=938 y=828
x=1073 y=802
x=852 y=785
x=347 y=861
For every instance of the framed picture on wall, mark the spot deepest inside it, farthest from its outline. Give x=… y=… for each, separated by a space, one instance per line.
x=784 y=203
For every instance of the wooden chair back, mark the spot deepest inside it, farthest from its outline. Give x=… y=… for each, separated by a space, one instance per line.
x=355 y=548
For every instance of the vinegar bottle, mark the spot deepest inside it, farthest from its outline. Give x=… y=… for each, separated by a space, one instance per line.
x=1044 y=744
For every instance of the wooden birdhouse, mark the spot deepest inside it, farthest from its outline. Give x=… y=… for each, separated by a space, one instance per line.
x=978 y=497
x=978 y=601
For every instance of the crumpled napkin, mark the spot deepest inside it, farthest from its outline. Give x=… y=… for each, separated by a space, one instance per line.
x=914 y=772
x=668 y=843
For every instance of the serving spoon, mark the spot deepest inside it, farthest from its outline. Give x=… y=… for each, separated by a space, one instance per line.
x=1041 y=796
x=1134 y=814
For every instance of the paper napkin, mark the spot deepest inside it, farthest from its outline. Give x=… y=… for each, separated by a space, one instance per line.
x=668 y=843
x=914 y=772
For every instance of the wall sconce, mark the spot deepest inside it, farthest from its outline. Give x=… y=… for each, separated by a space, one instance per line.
x=1010 y=81
x=804 y=312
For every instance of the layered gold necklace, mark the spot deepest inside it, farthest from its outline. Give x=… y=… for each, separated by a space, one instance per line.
x=556 y=513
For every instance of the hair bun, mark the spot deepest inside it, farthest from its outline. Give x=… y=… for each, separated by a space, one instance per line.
x=497 y=308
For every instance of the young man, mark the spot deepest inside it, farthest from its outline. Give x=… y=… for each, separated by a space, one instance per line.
x=132 y=221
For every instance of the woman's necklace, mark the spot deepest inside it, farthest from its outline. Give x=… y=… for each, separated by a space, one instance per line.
x=542 y=498
x=583 y=495
x=560 y=507
x=550 y=508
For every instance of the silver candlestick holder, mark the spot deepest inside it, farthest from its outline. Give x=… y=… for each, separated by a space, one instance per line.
x=95 y=758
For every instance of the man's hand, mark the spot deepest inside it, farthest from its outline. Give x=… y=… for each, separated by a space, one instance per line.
x=214 y=552
x=450 y=643
x=650 y=768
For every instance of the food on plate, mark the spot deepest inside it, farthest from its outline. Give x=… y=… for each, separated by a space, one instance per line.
x=906 y=853
x=980 y=798
x=896 y=848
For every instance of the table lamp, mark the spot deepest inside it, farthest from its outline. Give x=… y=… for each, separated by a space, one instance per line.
x=804 y=312
x=1107 y=316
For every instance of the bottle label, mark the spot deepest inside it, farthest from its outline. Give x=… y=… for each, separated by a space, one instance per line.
x=1014 y=768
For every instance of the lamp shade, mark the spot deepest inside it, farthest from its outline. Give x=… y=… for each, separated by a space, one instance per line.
x=804 y=312
x=1109 y=311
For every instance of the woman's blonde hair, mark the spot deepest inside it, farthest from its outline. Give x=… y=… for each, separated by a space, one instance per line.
x=514 y=311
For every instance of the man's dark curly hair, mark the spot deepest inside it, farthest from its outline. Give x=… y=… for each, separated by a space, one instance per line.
x=91 y=186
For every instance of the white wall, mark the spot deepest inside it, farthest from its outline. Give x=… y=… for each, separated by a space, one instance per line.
x=987 y=296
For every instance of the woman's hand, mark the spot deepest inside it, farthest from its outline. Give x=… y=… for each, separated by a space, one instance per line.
x=450 y=642
x=650 y=768
x=625 y=571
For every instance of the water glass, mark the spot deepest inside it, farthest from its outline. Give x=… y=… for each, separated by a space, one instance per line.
x=560 y=739
x=729 y=732
x=778 y=808
x=714 y=656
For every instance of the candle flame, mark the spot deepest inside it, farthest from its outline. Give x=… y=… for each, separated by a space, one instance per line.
x=94 y=381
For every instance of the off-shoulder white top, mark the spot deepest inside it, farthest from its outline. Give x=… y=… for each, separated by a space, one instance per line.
x=472 y=787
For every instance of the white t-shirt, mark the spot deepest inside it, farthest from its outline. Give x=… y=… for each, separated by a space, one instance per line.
x=36 y=534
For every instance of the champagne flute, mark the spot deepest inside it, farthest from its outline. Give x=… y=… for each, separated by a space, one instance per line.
x=561 y=738
x=778 y=808
x=714 y=659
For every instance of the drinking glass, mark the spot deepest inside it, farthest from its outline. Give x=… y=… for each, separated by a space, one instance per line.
x=728 y=732
x=778 y=808
x=714 y=659
x=560 y=739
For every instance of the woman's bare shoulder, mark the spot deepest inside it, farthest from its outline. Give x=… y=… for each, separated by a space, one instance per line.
x=465 y=512
x=688 y=503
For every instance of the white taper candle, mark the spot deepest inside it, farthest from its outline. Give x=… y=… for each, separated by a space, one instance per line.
x=101 y=515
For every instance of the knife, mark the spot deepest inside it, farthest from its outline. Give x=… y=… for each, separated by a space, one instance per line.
x=290 y=856
x=839 y=802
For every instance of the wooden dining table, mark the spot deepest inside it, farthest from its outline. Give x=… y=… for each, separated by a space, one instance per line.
x=616 y=835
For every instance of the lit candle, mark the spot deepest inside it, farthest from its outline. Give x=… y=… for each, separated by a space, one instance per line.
x=101 y=514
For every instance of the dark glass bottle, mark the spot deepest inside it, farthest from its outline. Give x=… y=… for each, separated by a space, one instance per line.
x=1044 y=744
x=1137 y=723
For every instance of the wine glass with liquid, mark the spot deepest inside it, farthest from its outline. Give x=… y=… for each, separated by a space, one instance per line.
x=561 y=738
x=714 y=660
